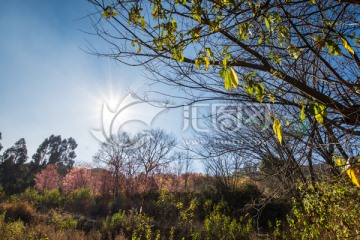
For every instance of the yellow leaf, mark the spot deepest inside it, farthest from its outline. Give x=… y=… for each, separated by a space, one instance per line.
x=234 y=78
x=302 y=113
x=154 y=11
x=108 y=12
x=267 y=23
x=347 y=46
x=320 y=112
x=139 y=47
x=354 y=174
x=338 y=162
x=143 y=23
x=319 y=119
x=277 y=129
x=272 y=98
x=313 y=1
x=105 y=14
x=114 y=13
x=198 y=63
x=207 y=63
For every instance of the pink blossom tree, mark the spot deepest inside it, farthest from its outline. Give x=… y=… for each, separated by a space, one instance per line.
x=77 y=178
x=48 y=178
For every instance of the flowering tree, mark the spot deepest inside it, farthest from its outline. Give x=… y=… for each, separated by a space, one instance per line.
x=48 y=178
x=77 y=178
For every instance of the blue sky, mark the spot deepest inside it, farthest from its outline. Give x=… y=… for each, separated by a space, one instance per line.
x=49 y=85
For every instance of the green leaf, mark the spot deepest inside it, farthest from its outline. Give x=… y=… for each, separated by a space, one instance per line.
x=210 y=54
x=259 y=92
x=234 y=78
x=143 y=23
x=277 y=129
x=197 y=17
x=249 y=89
x=227 y=80
x=198 y=62
x=302 y=113
x=109 y=12
x=333 y=48
x=267 y=23
x=318 y=110
x=249 y=75
x=347 y=46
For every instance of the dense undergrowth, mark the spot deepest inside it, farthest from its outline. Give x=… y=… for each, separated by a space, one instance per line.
x=327 y=209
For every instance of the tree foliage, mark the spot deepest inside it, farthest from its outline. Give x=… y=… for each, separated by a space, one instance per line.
x=13 y=170
x=299 y=57
x=55 y=151
x=298 y=54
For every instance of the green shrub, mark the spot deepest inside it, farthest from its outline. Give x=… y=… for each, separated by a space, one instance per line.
x=80 y=201
x=142 y=225
x=132 y=226
x=32 y=196
x=114 y=225
x=220 y=226
x=51 y=199
x=62 y=222
x=12 y=230
x=328 y=210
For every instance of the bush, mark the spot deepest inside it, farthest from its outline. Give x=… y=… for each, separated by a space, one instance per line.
x=52 y=199
x=13 y=230
x=328 y=210
x=80 y=201
x=17 y=230
x=114 y=225
x=62 y=222
x=142 y=225
x=32 y=196
x=18 y=211
x=217 y=225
